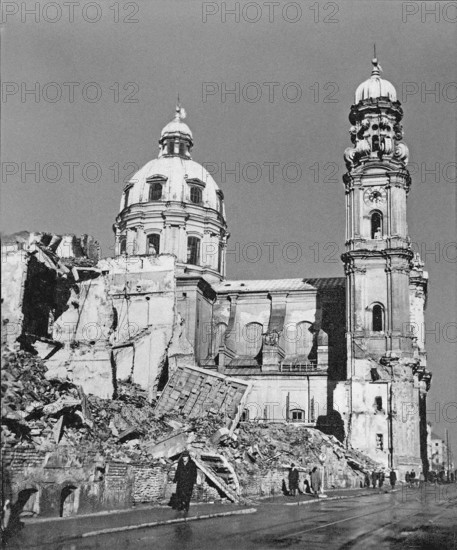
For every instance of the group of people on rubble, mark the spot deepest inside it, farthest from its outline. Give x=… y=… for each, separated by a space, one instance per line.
x=311 y=483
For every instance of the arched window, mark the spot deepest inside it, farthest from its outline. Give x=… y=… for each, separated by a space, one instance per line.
x=153 y=244
x=252 y=339
x=297 y=415
x=193 y=250
x=377 y=318
x=304 y=339
x=195 y=194
x=122 y=244
x=155 y=191
x=376 y=225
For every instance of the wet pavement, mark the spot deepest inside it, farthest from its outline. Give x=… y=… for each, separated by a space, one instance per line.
x=425 y=519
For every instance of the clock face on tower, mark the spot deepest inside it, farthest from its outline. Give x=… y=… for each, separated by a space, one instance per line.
x=375 y=195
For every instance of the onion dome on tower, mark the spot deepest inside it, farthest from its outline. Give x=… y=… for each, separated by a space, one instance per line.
x=376 y=130
x=172 y=205
x=375 y=86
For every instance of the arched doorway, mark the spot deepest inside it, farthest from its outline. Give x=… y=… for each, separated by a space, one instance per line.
x=68 y=503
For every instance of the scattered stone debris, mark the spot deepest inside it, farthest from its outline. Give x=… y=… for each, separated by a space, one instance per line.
x=235 y=462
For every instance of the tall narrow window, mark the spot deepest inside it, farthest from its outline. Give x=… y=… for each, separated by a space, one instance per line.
x=171 y=147
x=380 y=442
x=153 y=244
x=219 y=259
x=182 y=149
x=378 y=403
x=195 y=195
x=375 y=143
x=122 y=245
x=376 y=225
x=378 y=318
x=155 y=191
x=193 y=250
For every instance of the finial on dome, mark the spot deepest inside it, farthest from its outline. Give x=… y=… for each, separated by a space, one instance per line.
x=376 y=66
x=180 y=111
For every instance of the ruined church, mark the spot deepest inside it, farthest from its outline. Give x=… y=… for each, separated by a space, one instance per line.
x=342 y=354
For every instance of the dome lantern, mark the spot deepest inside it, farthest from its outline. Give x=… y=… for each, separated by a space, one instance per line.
x=176 y=138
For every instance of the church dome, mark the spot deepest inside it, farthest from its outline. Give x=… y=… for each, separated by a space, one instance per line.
x=178 y=176
x=375 y=86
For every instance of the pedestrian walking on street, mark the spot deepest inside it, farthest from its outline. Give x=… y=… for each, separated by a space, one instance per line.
x=393 y=478
x=367 y=480
x=293 y=480
x=382 y=477
x=185 y=478
x=407 y=479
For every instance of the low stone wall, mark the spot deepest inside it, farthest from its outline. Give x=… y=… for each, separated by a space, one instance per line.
x=150 y=483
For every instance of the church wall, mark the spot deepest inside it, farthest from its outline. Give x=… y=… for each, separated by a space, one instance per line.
x=367 y=423
x=14 y=273
x=267 y=399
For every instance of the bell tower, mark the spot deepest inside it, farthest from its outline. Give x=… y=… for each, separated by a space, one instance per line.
x=378 y=253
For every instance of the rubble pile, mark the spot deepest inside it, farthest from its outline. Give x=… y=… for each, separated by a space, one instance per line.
x=256 y=449
x=30 y=403
x=47 y=413
x=50 y=412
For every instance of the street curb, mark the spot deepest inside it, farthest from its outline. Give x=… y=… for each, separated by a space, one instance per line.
x=166 y=522
x=305 y=502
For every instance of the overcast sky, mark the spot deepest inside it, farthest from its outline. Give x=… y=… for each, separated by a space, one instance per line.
x=106 y=77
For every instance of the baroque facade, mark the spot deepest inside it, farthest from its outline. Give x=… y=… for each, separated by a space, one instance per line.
x=344 y=354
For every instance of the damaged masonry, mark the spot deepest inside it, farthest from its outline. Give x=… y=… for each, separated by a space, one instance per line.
x=96 y=409
x=114 y=366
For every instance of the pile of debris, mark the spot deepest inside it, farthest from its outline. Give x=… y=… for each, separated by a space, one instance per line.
x=46 y=413
x=130 y=429
x=31 y=405
x=257 y=449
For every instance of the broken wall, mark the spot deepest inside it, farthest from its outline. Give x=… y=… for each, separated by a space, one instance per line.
x=195 y=392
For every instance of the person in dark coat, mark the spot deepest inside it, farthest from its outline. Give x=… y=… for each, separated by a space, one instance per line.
x=374 y=478
x=367 y=480
x=293 y=480
x=393 y=478
x=407 y=480
x=185 y=478
x=382 y=477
